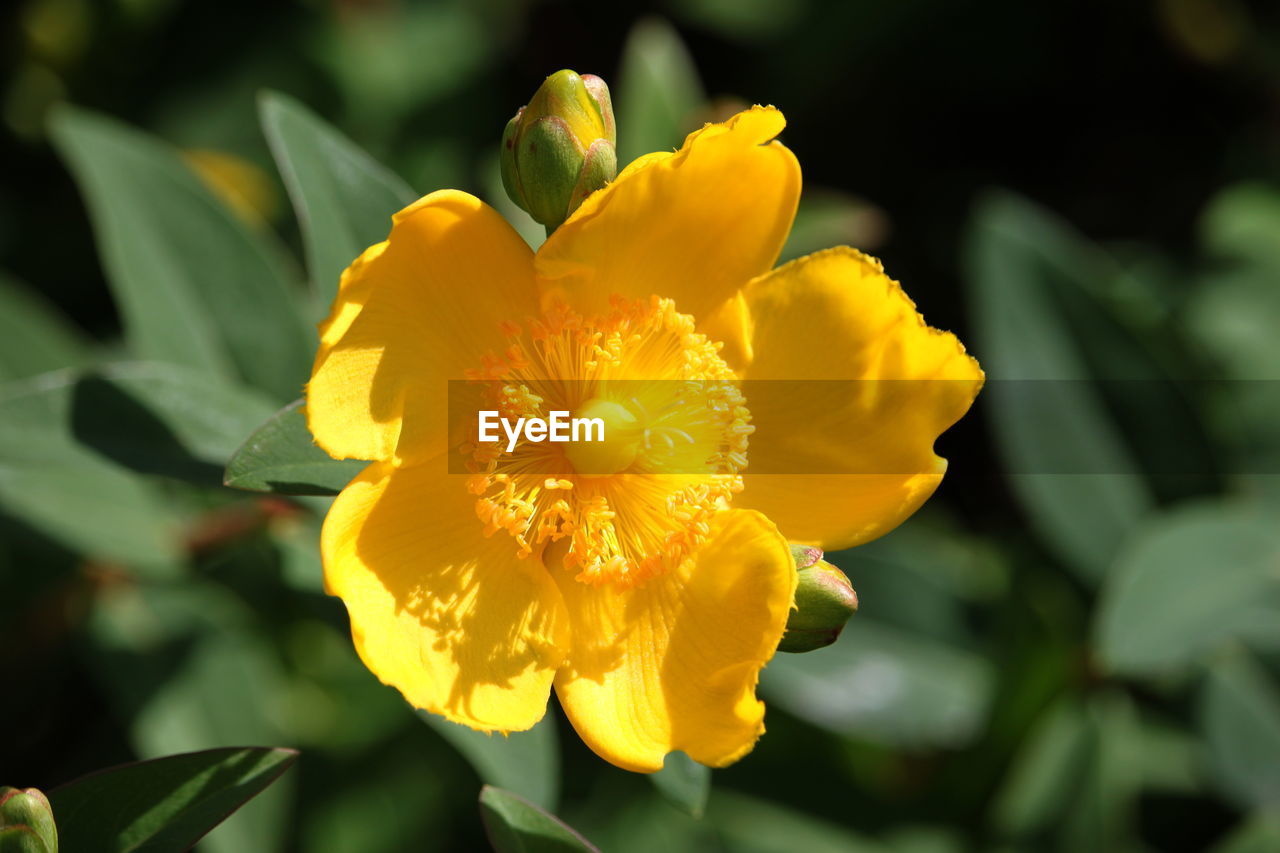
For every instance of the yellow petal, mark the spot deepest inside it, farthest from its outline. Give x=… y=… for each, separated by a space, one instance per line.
x=453 y=620
x=837 y=462
x=412 y=313
x=673 y=664
x=693 y=226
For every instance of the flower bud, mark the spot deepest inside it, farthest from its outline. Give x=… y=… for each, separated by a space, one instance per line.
x=26 y=822
x=824 y=602
x=560 y=148
x=805 y=555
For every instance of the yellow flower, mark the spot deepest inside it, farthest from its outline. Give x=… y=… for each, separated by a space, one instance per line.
x=647 y=578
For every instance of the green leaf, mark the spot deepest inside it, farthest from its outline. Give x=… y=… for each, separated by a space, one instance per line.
x=390 y=64
x=684 y=782
x=1045 y=772
x=1232 y=316
x=167 y=804
x=183 y=665
x=389 y=805
x=527 y=763
x=515 y=825
x=344 y=199
x=885 y=685
x=1101 y=812
x=1071 y=469
x=752 y=825
x=50 y=481
x=1240 y=714
x=34 y=337
x=281 y=457
x=658 y=91
x=744 y=20
x=164 y=419
x=1190 y=582
x=1243 y=222
x=195 y=285
x=828 y=218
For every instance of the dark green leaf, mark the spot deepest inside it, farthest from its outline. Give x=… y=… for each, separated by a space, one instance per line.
x=1240 y=711
x=527 y=763
x=343 y=197
x=166 y=804
x=752 y=825
x=1047 y=415
x=1191 y=581
x=1101 y=811
x=515 y=825
x=164 y=419
x=1233 y=315
x=34 y=337
x=182 y=664
x=747 y=20
x=684 y=782
x=281 y=457
x=194 y=284
x=658 y=91
x=1046 y=771
x=52 y=482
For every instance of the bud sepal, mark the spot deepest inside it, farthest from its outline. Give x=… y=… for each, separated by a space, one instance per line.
x=26 y=822
x=560 y=147
x=824 y=602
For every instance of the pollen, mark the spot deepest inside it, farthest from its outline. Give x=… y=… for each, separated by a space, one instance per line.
x=676 y=427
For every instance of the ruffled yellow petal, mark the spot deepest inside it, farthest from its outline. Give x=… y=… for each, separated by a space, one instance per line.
x=453 y=620
x=673 y=664
x=412 y=313
x=837 y=462
x=693 y=226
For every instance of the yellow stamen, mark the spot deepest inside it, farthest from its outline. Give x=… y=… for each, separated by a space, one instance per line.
x=675 y=439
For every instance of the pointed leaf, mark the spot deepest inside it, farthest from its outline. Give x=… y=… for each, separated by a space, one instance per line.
x=1189 y=583
x=34 y=337
x=162 y=805
x=195 y=285
x=1240 y=711
x=281 y=457
x=658 y=91
x=54 y=483
x=164 y=419
x=343 y=197
x=1071 y=469
x=515 y=825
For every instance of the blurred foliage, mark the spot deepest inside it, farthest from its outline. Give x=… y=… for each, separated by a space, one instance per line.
x=1042 y=660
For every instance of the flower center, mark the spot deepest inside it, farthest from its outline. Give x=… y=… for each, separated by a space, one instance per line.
x=637 y=500
x=622 y=432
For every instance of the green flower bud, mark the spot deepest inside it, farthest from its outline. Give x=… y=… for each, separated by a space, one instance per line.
x=824 y=602
x=26 y=822
x=805 y=555
x=560 y=148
